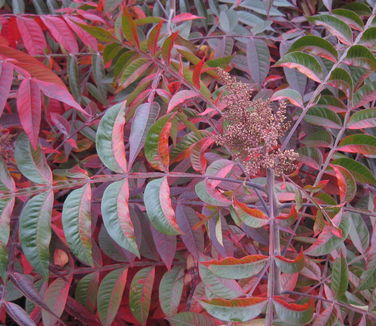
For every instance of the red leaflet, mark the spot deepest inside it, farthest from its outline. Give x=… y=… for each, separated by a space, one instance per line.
x=163 y=150
x=165 y=245
x=180 y=98
x=61 y=32
x=167 y=47
x=29 y=107
x=346 y=183
x=293 y=306
x=197 y=73
x=184 y=17
x=251 y=211
x=153 y=38
x=6 y=78
x=85 y=37
x=235 y=261
x=130 y=28
x=166 y=204
x=197 y=156
x=32 y=35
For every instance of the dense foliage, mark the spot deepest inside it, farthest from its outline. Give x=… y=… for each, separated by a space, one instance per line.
x=201 y=162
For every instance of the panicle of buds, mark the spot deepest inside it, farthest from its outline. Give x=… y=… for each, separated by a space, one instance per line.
x=252 y=129
x=6 y=146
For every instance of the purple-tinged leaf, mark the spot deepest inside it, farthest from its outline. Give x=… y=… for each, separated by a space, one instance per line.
x=193 y=239
x=19 y=315
x=165 y=245
x=55 y=297
x=258 y=59
x=144 y=117
x=6 y=78
x=29 y=107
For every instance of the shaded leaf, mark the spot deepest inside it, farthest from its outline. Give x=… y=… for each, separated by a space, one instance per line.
x=193 y=238
x=165 y=245
x=258 y=58
x=19 y=315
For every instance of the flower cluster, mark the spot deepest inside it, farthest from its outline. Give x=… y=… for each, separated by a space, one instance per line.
x=252 y=129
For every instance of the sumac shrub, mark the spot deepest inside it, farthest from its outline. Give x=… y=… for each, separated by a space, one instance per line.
x=187 y=162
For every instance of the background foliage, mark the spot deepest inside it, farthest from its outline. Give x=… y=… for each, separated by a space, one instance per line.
x=117 y=205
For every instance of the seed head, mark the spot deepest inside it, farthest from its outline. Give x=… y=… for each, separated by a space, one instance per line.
x=252 y=129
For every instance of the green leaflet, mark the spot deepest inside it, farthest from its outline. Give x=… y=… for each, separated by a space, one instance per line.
x=158 y=207
x=32 y=163
x=339 y=277
x=110 y=139
x=189 y=318
x=293 y=314
x=116 y=215
x=241 y=310
x=76 y=218
x=171 y=289
x=140 y=293
x=110 y=294
x=86 y=291
x=35 y=231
